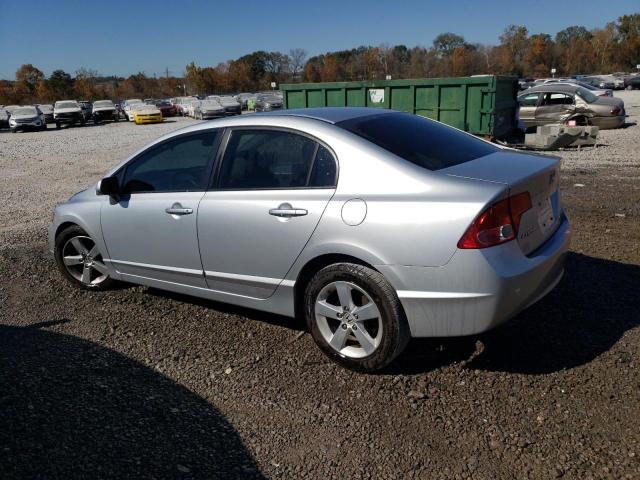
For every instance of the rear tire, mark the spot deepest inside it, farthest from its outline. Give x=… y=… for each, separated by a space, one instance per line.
x=366 y=335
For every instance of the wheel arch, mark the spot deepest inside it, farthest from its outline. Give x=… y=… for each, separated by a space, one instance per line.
x=312 y=267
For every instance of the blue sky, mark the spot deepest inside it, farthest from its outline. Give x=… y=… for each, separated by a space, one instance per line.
x=123 y=37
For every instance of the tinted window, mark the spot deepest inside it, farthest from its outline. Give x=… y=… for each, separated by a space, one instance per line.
x=324 y=169
x=179 y=165
x=266 y=159
x=426 y=143
x=530 y=100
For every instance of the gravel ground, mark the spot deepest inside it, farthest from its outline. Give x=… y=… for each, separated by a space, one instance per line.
x=136 y=382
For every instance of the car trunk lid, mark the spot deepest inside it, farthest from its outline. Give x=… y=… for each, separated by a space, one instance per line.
x=520 y=172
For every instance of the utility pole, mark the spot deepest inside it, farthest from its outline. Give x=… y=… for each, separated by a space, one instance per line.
x=166 y=72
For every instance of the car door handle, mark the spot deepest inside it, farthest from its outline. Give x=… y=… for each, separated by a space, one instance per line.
x=176 y=209
x=286 y=210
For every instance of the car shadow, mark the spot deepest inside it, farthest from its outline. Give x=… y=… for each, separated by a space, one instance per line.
x=586 y=314
x=583 y=317
x=70 y=408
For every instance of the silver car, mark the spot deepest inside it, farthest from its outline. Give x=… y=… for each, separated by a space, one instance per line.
x=375 y=226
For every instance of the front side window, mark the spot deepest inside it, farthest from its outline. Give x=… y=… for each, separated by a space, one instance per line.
x=267 y=159
x=179 y=165
x=530 y=100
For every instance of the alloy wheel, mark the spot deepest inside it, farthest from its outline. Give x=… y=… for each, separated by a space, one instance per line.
x=84 y=262
x=348 y=319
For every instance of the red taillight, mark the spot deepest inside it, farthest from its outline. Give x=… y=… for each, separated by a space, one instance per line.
x=497 y=224
x=615 y=111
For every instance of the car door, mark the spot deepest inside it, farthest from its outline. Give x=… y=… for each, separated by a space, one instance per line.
x=150 y=231
x=272 y=188
x=554 y=107
x=528 y=104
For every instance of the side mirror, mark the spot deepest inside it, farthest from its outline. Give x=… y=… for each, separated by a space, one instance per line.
x=108 y=186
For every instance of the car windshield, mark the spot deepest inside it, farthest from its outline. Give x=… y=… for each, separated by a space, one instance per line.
x=45 y=108
x=210 y=103
x=25 y=111
x=426 y=143
x=163 y=104
x=67 y=105
x=586 y=95
x=103 y=103
x=269 y=98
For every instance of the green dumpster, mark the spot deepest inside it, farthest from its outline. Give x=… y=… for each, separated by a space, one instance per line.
x=483 y=105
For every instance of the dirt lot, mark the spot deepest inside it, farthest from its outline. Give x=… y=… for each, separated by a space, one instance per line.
x=136 y=382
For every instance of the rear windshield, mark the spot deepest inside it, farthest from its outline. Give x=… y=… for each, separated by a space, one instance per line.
x=424 y=142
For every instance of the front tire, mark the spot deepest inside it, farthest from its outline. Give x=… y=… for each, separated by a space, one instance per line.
x=80 y=260
x=355 y=317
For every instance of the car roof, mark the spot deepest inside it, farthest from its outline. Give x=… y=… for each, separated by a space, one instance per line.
x=553 y=87
x=328 y=114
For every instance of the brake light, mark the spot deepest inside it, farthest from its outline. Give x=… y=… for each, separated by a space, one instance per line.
x=497 y=224
x=615 y=111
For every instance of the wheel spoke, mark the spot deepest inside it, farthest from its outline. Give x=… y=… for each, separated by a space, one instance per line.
x=73 y=260
x=101 y=267
x=94 y=252
x=344 y=294
x=86 y=275
x=327 y=310
x=77 y=244
x=364 y=339
x=339 y=338
x=366 y=312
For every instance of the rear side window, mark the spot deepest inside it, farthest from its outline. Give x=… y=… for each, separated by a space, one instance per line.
x=424 y=142
x=272 y=159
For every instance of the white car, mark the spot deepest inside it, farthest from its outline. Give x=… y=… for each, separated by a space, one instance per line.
x=68 y=112
x=184 y=104
x=191 y=107
x=126 y=107
x=28 y=117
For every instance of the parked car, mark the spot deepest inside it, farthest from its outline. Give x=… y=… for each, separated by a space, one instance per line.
x=47 y=110
x=553 y=103
x=28 y=117
x=206 y=109
x=68 y=112
x=230 y=104
x=191 y=108
x=442 y=234
x=243 y=99
x=266 y=102
x=632 y=82
x=104 y=110
x=183 y=105
x=143 y=113
x=167 y=109
x=126 y=107
x=600 y=82
x=87 y=108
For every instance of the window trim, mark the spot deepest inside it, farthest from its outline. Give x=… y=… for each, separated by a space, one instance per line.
x=215 y=182
x=121 y=172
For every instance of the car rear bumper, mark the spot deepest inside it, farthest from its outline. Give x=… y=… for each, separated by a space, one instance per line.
x=478 y=290
x=605 y=123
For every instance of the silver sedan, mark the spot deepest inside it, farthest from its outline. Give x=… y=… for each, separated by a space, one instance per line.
x=375 y=226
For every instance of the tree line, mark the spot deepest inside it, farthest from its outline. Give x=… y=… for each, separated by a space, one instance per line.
x=574 y=50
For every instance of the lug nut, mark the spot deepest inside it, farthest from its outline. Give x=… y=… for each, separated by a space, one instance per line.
x=344 y=326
